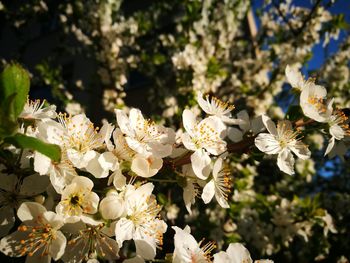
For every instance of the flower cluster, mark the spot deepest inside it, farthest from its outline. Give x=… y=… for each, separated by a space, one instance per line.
x=98 y=198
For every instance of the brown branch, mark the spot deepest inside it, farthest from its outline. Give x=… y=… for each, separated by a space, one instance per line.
x=301 y=122
x=284 y=18
x=309 y=17
x=239 y=147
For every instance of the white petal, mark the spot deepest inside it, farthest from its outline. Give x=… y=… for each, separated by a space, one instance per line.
x=55 y=220
x=136 y=119
x=34 y=185
x=10 y=245
x=330 y=146
x=189 y=195
x=257 y=125
x=267 y=143
x=294 y=77
x=203 y=103
x=187 y=141
x=235 y=134
x=160 y=150
x=83 y=182
x=221 y=257
x=90 y=203
x=300 y=150
x=7 y=219
x=208 y=192
x=106 y=133
x=108 y=161
x=38 y=258
x=221 y=199
x=124 y=230
x=124 y=123
x=146 y=248
x=30 y=211
x=8 y=182
x=111 y=207
x=243 y=115
x=119 y=180
x=42 y=163
x=109 y=247
x=217 y=167
x=189 y=121
x=58 y=246
x=200 y=161
x=337 y=132
x=269 y=124
x=285 y=162
x=238 y=253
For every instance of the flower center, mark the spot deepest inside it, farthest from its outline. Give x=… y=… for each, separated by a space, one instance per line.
x=39 y=237
x=318 y=103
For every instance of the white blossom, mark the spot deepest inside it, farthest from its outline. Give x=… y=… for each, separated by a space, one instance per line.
x=38 y=237
x=144 y=136
x=188 y=250
x=203 y=138
x=78 y=198
x=35 y=110
x=282 y=141
x=219 y=185
x=236 y=253
x=140 y=221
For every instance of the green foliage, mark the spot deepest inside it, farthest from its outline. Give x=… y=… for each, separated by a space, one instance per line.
x=15 y=80
x=25 y=142
x=14 y=88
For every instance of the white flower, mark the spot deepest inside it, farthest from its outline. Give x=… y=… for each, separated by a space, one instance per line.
x=236 y=253
x=338 y=128
x=202 y=138
x=328 y=224
x=295 y=79
x=38 y=237
x=282 y=141
x=313 y=101
x=255 y=125
x=144 y=136
x=14 y=191
x=77 y=137
x=191 y=190
x=77 y=198
x=216 y=107
x=112 y=206
x=36 y=110
x=121 y=149
x=187 y=250
x=146 y=167
x=61 y=174
x=140 y=221
x=219 y=185
x=89 y=242
x=313 y=98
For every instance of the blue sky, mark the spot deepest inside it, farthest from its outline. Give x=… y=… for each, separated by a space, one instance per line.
x=339 y=7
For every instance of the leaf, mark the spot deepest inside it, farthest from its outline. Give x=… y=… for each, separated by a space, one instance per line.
x=8 y=124
x=14 y=81
x=52 y=151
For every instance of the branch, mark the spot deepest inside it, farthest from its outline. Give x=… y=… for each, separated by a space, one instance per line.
x=309 y=17
x=284 y=18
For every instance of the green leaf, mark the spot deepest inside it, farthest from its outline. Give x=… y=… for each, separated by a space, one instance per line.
x=52 y=151
x=8 y=125
x=14 y=81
